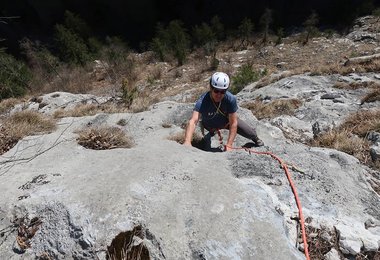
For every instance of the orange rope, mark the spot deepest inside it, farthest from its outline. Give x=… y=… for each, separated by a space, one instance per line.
x=298 y=201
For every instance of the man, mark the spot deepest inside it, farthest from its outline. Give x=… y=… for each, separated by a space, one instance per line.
x=217 y=109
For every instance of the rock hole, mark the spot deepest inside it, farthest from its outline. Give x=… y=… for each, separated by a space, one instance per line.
x=128 y=245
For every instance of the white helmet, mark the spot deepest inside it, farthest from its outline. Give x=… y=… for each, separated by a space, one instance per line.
x=220 y=80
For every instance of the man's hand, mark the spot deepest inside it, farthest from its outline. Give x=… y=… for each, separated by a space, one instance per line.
x=227 y=148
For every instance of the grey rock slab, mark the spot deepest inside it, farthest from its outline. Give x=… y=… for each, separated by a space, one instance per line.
x=231 y=205
x=187 y=198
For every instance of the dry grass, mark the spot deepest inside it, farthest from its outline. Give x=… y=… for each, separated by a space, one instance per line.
x=273 y=109
x=7 y=104
x=346 y=142
x=73 y=80
x=104 y=138
x=317 y=242
x=350 y=136
x=372 y=96
x=89 y=110
x=23 y=124
x=357 y=85
x=362 y=123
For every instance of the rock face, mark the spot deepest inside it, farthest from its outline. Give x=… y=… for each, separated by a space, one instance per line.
x=187 y=203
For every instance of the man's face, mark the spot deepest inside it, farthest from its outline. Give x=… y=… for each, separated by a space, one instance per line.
x=217 y=94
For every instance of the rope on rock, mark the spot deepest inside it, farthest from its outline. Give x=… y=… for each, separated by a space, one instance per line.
x=285 y=167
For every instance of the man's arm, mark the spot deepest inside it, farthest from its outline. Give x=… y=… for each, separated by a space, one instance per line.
x=191 y=128
x=233 y=122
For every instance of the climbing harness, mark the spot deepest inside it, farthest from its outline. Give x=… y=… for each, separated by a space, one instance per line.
x=286 y=169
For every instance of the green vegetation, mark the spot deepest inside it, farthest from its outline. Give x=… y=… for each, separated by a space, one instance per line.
x=245 y=76
x=172 y=41
x=245 y=31
x=311 y=26
x=265 y=21
x=15 y=77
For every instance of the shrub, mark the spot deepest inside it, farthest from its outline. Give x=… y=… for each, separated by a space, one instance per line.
x=104 y=138
x=77 y=25
x=15 y=77
x=178 y=40
x=310 y=26
x=245 y=30
x=72 y=47
x=244 y=76
x=217 y=28
x=203 y=34
x=129 y=92
x=265 y=21
x=171 y=41
x=280 y=35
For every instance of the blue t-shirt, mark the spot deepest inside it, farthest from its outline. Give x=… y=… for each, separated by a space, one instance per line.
x=212 y=117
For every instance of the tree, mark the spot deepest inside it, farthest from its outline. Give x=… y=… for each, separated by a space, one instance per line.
x=172 y=40
x=217 y=27
x=265 y=21
x=245 y=31
x=311 y=26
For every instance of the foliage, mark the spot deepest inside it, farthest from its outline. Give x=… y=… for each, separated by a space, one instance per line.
x=43 y=64
x=178 y=40
x=76 y=24
x=245 y=75
x=72 y=39
x=376 y=12
x=72 y=48
x=15 y=77
x=203 y=35
x=311 y=26
x=129 y=92
x=171 y=41
x=245 y=30
x=280 y=35
x=116 y=51
x=217 y=27
x=265 y=21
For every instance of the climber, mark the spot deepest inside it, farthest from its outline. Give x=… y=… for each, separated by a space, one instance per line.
x=217 y=109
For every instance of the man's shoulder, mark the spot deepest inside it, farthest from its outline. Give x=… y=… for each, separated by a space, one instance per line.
x=230 y=97
x=204 y=97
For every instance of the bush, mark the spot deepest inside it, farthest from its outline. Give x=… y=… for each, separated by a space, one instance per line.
x=311 y=26
x=15 y=77
x=178 y=41
x=244 y=76
x=217 y=28
x=171 y=41
x=245 y=31
x=72 y=47
x=43 y=64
